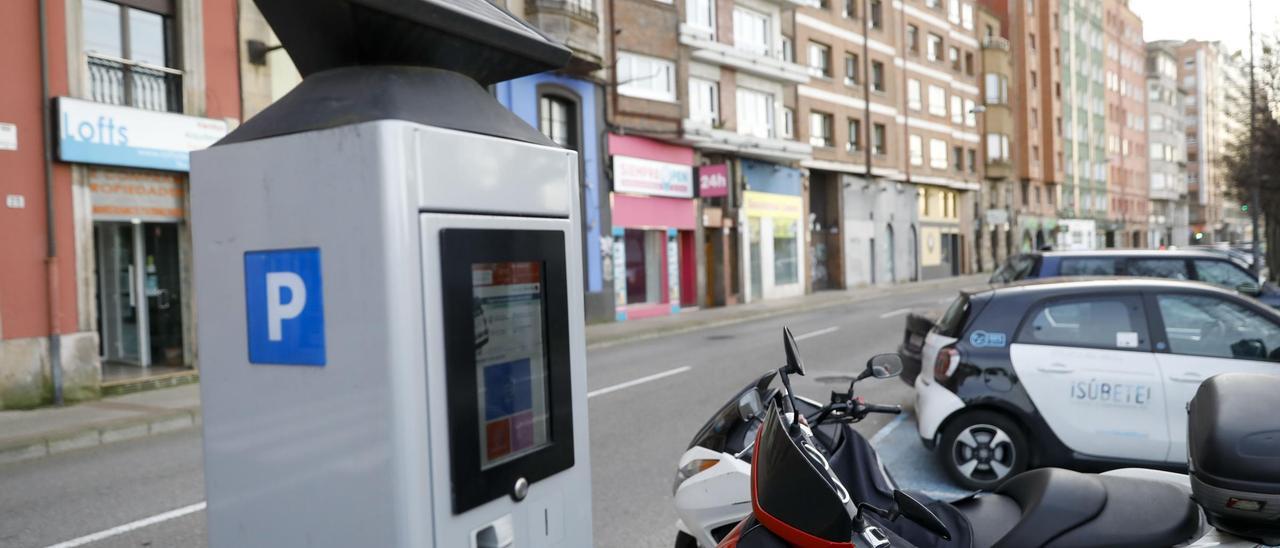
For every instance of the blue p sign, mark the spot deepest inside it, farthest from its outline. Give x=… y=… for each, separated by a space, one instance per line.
x=284 y=300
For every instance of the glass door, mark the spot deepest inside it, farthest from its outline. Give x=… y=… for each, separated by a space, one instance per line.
x=121 y=322
x=162 y=285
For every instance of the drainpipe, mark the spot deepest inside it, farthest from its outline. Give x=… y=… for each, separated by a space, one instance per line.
x=51 y=232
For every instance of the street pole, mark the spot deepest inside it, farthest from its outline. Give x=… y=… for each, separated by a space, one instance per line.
x=1254 y=186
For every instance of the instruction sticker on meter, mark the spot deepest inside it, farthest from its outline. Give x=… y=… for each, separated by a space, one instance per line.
x=511 y=363
x=284 y=305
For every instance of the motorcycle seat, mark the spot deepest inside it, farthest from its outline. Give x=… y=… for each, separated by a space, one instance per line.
x=1058 y=508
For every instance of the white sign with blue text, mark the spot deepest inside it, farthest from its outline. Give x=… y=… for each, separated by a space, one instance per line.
x=97 y=133
x=284 y=301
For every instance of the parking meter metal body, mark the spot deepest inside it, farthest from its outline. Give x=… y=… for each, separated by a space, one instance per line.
x=388 y=284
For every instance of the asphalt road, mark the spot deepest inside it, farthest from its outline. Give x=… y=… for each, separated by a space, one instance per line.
x=638 y=431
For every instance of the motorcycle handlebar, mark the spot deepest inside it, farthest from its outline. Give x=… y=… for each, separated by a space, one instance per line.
x=890 y=409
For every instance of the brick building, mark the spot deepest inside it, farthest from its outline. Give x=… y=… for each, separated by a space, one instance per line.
x=1128 y=185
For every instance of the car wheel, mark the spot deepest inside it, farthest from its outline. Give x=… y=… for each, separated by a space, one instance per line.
x=684 y=540
x=982 y=449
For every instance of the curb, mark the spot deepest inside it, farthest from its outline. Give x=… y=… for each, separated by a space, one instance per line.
x=95 y=434
x=750 y=315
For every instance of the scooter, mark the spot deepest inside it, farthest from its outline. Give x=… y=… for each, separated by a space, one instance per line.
x=712 y=490
x=798 y=499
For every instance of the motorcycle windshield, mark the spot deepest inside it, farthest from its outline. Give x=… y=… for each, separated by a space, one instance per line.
x=714 y=435
x=790 y=494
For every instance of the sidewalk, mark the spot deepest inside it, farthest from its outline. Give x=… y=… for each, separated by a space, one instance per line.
x=40 y=432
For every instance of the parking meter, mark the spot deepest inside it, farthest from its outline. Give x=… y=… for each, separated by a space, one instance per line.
x=389 y=293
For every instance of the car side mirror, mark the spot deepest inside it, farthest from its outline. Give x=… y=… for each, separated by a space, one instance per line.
x=883 y=366
x=916 y=511
x=1249 y=288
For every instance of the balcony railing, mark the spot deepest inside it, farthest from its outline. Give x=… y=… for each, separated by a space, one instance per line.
x=580 y=9
x=118 y=81
x=995 y=42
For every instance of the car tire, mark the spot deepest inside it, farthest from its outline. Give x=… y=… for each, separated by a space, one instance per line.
x=982 y=449
x=684 y=540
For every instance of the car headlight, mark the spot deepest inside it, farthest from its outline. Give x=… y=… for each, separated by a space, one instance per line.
x=692 y=468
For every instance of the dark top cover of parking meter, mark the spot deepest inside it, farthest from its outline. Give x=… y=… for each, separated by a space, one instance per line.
x=423 y=61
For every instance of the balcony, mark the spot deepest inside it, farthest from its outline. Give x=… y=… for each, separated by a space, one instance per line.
x=705 y=48
x=116 y=81
x=705 y=136
x=996 y=43
x=573 y=23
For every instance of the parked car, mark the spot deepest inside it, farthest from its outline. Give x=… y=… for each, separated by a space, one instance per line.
x=1199 y=265
x=1080 y=373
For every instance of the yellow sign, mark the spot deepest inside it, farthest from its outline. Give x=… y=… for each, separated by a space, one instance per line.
x=764 y=204
x=931 y=251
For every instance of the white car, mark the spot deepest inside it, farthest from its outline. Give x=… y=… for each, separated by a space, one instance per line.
x=1080 y=373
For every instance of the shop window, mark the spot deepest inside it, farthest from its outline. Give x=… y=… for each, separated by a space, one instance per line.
x=130 y=55
x=786 y=268
x=644 y=249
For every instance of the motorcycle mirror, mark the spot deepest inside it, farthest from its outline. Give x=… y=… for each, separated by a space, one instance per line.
x=916 y=511
x=794 y=364
x=884 y=366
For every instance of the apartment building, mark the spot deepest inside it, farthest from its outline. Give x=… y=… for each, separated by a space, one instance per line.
x=994 y=235
x=1210 y=82
x=1085 y=203
x=892 y=116
x=1128 y=188
x=1167 y=155
x=737 y=73
x=102 y=289
x=1034 y=93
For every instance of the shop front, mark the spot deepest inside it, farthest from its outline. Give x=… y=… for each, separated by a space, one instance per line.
x=771 y=217
x=942 y=245
x=129 y=171
x=655 y=223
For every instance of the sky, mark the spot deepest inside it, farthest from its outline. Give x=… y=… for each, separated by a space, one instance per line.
x=1225 y=20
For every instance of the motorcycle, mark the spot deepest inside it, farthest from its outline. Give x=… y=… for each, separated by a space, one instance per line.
x=799 y=499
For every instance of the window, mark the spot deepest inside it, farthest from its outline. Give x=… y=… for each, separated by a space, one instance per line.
x=968 y=63
x=851 y=8
x=937 y=101
x=953 y=12
x=755 y=113
x=997 y=89
x=879 y=144
x=1199 y=325
x=935 y=47
x=966 y=16
x=646 y=77
x=1031 y=40
x=704 y=101
x=851 y=69
x=1087 y=267
x=751 y=31
x=788 y=50
x=915 y=147
x=819 y=60
x=113 y=33
x=1034 y=82
x=997 y=147
x=970 y=113
x=644 y=263
x=957 y=158
x=913 y=39
x=1157 y=268
x=789 y=123
x=877 y=76
x=1031 y=7
x=786 y=268
x=1222 y=273
x=820 y=129
x=877 y=14
x=957 y=110
x=1107 y=322
x=973 y=163
x=855 y=135
x=558 y=120
x=913 y=94
x=937 y=154
x=1035 y=118
x=953 y=54
x=935 y=4
x=702 y=15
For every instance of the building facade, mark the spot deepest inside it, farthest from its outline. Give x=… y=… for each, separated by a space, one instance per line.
x=1210 y=83
x=995 y=236
x=1167 y=150
x=1084 y=191
x=102 y=289
x=1128 y=187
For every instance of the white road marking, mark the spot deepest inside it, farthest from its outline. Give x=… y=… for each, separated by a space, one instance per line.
x=122 y=529
x=888 y=428
x=641 y=380
x=946 y=299
x=893 y=313
x=817 y=333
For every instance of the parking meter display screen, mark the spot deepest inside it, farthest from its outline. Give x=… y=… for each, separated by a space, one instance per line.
x=510 y=356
